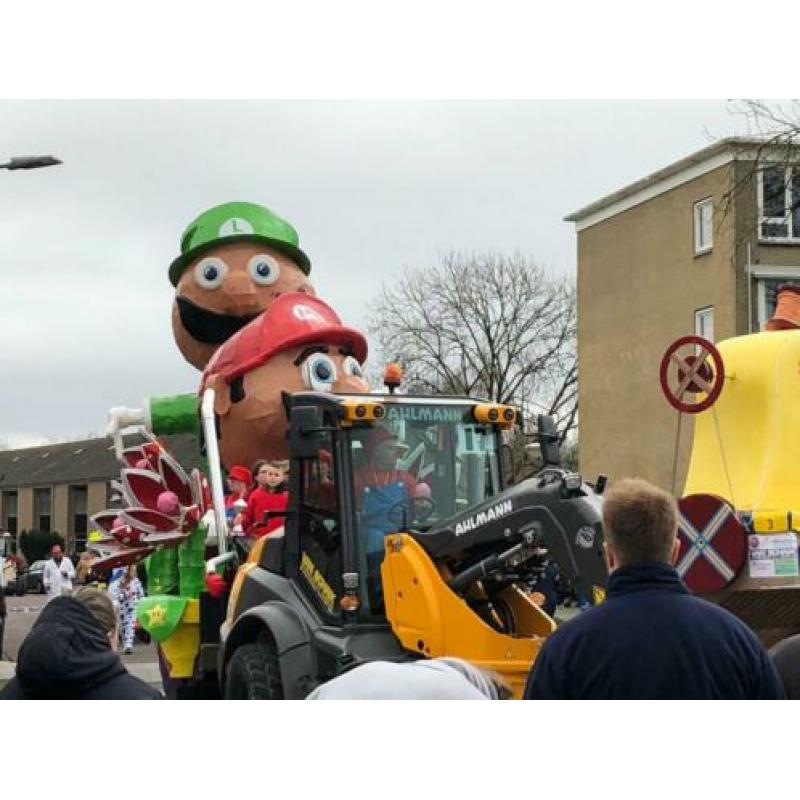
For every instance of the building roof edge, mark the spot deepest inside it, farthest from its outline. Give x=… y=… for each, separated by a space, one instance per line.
x=735 y=146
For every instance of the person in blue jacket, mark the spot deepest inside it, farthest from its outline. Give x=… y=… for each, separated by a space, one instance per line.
x=651 y=638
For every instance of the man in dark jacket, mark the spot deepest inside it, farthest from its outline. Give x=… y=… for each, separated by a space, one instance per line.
x=69 y=655
x=785 y=656
x=651 y=638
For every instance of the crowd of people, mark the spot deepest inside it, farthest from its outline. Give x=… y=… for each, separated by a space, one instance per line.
x=649 y=639
x=257 y=497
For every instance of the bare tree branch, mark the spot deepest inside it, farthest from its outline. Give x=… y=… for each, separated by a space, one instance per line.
x=484 y=325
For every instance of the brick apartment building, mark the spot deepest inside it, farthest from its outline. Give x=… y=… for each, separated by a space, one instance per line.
x=58 y=487
x=700 y=246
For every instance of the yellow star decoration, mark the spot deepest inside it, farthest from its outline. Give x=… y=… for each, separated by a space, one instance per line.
x=157 y=615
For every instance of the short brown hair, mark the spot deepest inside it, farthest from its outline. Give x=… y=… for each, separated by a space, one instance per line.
x=640 y=521
x=100 y=606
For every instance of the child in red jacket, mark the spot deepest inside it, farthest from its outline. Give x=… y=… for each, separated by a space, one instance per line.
x=270 y=494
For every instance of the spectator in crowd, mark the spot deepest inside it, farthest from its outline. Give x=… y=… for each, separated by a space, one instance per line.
x=651 y=638
x=58 y=574
x=785 y=656
x=427 y=679
x=2 y=605
x=270 y=494
x=83 y=572
x=126 y=593
x=70 y=654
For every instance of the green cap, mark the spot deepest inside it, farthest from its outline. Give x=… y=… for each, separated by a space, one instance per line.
x=237 y=221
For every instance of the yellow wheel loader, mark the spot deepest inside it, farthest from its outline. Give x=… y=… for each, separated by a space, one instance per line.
x=402 y=540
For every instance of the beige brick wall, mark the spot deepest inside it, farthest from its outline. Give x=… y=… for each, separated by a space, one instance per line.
x=60 y=520
x=639 y=284
x=95 y=498
x=25 y=509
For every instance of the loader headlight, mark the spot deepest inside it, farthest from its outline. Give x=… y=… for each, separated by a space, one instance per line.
x=495 y=414
x=356 y=410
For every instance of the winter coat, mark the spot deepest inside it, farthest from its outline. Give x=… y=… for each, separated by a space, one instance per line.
x=785 y=656
x=66 y=656
x=385 y=680
x=262 y=500
x=652 y=639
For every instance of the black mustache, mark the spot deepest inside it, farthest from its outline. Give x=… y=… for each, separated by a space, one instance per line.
x=209 y=327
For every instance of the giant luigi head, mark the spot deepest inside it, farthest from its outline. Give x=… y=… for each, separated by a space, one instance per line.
x=298 y=343
x=235 y=260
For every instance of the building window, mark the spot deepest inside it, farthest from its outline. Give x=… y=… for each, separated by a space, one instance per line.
x=77 y=502
x=42 y=509
x=767 y=293
x=704 y=323
x=10 y=512
x=779 y=203
x=703 y=226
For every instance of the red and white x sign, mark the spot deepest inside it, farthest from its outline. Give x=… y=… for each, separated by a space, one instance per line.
x=713 y=543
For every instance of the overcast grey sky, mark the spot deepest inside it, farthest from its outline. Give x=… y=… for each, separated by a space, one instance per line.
x=372 y=188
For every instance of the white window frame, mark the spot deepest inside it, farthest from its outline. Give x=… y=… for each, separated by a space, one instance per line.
x=699 y=314
x=786 y=219
x=698 y=226
x=772 y=272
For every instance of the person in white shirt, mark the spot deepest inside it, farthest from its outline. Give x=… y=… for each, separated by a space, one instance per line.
x=426 y=679
x=58 y=574
x=2 y=603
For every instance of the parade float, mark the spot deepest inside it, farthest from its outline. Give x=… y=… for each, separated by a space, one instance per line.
x=740 y=506
x=235 y=260
x=403 y=537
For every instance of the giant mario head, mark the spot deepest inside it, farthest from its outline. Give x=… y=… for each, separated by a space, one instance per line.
x=297 y=344
x=235 y=259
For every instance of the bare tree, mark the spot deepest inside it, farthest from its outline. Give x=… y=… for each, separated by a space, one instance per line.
x=486 y=325
x=776 y=128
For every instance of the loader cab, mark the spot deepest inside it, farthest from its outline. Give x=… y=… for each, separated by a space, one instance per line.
x=365 y=466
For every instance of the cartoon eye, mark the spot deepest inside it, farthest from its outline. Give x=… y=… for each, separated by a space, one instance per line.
x=319 y=372
x=210 y=272
x=264 y=269
x=352 y=367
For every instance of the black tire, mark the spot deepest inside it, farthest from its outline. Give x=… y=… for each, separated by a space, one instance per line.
x=254 y=674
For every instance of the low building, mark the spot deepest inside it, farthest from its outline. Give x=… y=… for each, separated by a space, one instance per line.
x=700 y=246
x=57 y=487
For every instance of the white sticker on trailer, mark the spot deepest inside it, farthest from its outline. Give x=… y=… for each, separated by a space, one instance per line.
x=773 y=556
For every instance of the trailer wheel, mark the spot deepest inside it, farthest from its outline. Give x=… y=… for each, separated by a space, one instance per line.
x=254 y=674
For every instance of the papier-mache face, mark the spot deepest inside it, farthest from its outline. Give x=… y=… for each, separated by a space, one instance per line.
x=298 y=344
x=224 y=289
x=235 y=259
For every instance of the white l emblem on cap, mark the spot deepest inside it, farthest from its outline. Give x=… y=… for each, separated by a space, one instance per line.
x=235 y=226
x=308 y=314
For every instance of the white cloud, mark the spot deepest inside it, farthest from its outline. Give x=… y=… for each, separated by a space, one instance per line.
x=372 y=188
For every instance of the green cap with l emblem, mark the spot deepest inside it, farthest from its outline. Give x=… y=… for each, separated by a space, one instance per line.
x=232 y=221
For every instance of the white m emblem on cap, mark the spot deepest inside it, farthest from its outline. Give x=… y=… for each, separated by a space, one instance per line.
x=235 y=226
x=308 y=314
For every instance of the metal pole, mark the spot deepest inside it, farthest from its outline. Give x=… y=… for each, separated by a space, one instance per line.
x=212 y=451
x=749 y=293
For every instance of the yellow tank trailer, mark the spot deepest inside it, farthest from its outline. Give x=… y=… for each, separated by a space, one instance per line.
x=740 y=509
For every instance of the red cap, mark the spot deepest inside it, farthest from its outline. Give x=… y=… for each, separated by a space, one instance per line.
x=55 y=550
x=239 y=473
x=292 y=319
x=380 y=434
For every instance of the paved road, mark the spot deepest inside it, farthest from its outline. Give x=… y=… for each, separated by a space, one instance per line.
x=22 y=613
